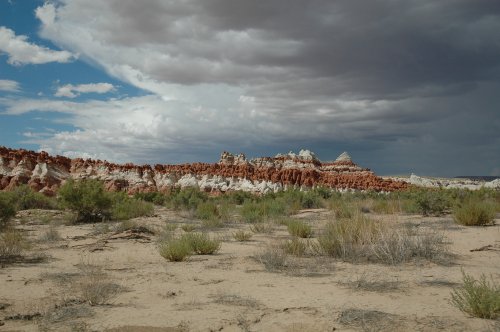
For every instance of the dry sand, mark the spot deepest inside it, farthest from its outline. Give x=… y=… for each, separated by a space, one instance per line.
x=232 y=291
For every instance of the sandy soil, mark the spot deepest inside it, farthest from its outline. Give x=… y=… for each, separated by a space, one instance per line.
x=232 y=291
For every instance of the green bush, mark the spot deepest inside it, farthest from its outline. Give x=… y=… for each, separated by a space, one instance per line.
x=238 y=197
x=154 y=197
x=323 y=192
x=312 y=200
x=432 y=202
x=187 y=199
x=7 y=209
x=299 y=228
x=478 y=298
x=26 y=198
x=341 y=208
x=252 y=212
x=207 y=211
x=124 y=207
x=385 y=206
x=201 y=243
x=176 y=250
x=87 y=198
x=475 y=213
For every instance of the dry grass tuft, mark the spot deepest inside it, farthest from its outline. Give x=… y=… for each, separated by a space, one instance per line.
x=362 y=239
x=368 y=283
x=273 y=258
x=294 y=247
x=370 y=320
x=299 y=228
x=50 y=235
x=242 y=236
x=235 y=300
x=12 y=245
x=94 y=285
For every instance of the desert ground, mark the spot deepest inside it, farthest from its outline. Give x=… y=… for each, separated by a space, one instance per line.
x=232 y=290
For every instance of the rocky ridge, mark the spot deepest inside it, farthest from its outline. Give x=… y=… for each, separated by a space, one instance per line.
x=304 y=170
x=444 y=183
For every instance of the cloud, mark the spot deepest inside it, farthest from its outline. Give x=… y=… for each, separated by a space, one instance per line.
x=9 y=86
x=20 y=51
x=72 y=91
x=400 y=82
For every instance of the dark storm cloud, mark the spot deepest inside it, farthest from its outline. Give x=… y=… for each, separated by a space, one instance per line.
x=401 y=77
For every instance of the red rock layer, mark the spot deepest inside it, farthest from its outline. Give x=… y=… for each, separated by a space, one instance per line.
x=45 y=173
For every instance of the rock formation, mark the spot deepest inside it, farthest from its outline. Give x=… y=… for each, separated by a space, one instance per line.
x=444 y=183
x=304 y=170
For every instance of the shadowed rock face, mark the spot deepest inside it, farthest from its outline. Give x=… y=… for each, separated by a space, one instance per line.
x=46 y=173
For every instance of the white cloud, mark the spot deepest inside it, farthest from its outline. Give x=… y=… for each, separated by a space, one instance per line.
x=72 y=91
x=20 y=51
x=231 y=74
x=9 y=86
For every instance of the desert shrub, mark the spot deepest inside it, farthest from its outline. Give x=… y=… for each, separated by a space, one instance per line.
x=323 y=192
x=95 y=287
x=169 y=227
x=238 y=197
x=385 y=206
x=360 y=238
x=201 y=243
x=7 y=209
x=341 y=208
x=213 y=223
x=475 y=213
x=252 y=212
x=225 y=210
x=432 y=202
x=87 y=198
x=175 y=250
x=299 y=228
x=348 y=239
x=124 y=207
x=12 y=244
x=398 y=245
x=287 y=202
x=268 y=207
x=408 y=205
x=50 y=235
x=188 y=228
x=154 y=197
x=478 y=298
x=125 y=225
x=261 y=227
x=187 y=198
x=294 y=247
x=207 y=211
x=26 y=198
x=272 y=208
x=273 y=258
x=242 y=236
x=311 y=200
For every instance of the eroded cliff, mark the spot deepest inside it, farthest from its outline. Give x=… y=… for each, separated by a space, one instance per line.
x=46 y=173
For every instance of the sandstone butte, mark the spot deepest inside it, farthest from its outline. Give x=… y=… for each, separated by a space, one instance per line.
x=45 y=173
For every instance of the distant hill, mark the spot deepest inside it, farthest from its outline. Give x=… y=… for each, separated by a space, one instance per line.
x=478 y=177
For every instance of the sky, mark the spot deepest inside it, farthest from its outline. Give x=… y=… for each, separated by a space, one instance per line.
x=402 y=86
